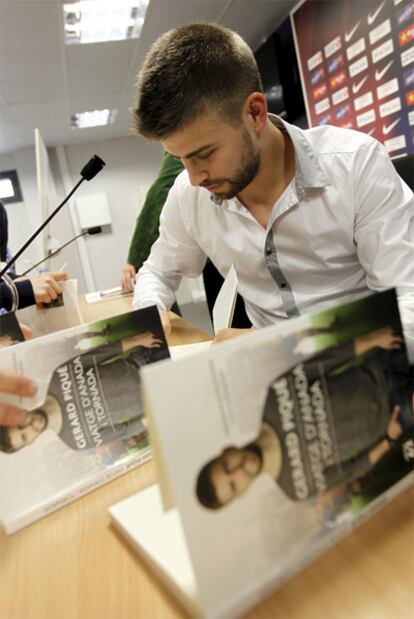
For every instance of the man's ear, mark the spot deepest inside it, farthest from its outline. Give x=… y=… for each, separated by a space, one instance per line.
x=255 y=111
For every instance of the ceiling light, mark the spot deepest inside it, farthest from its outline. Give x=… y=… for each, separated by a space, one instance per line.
x=94 y=118
x=93 y=21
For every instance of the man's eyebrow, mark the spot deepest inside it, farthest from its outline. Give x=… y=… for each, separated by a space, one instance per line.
x=196 y=152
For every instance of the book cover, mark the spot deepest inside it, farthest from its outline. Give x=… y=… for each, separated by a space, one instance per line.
x=223 y=312
x=300 y=432
x=62 y=313
x=86 y=423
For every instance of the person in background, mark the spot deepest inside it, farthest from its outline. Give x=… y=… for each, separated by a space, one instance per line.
x=20 y=292
x=146 y=228
x=310 y=218
x=5 y=255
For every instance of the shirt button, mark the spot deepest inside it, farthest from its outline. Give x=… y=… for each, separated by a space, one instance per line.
x=268 y=252
x=283 y=285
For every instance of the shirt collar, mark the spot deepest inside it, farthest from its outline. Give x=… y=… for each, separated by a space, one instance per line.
x=309 y=172
x=308 y=168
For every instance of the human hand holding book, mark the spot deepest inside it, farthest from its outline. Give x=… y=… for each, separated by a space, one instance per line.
x=19 y=386
x=10 y=382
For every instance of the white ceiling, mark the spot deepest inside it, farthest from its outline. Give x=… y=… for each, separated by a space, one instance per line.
x=43 y=81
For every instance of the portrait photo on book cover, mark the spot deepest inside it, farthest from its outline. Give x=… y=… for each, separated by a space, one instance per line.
x=336 y=428
x=85 y=424
x=94 y=399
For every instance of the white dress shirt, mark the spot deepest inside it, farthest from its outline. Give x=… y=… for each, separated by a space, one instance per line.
x=344 y=225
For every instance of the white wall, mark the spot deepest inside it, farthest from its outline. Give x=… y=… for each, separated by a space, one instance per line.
x=132 y=164
x=131 y=167
x=23 y=216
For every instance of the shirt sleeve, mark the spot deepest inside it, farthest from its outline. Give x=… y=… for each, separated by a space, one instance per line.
x=176 y=253
x=384 y=230
x=26 y=295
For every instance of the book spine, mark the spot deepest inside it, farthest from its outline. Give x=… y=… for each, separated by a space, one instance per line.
x=103 y=477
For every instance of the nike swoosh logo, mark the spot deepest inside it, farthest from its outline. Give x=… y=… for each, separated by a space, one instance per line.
x=350 y=34
x=357 y=87
x=387 y=128
x=379 y=74
x=373 y=16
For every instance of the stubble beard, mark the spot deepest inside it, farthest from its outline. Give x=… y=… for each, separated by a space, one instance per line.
x=255 y=449
x=249 y=168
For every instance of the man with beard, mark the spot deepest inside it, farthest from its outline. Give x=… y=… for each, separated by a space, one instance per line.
x=92 y=399
x=309 y=218
x=313 y=435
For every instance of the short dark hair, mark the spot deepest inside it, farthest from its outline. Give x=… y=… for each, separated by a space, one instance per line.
x=205 y=490
x=5 y=442
x=190 y=70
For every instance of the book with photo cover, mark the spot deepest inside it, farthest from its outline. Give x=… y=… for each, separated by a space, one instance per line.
x=86 y=423
x=61 y=313
x=301 y=431
x=223 y=312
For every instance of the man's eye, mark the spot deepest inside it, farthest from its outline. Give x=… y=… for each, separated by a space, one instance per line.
x=205 y=155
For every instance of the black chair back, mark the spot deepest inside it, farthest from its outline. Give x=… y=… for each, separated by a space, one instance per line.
x=405 y=168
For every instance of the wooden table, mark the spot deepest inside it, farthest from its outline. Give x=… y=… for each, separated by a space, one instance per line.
x=182 y=333
x=74 y=565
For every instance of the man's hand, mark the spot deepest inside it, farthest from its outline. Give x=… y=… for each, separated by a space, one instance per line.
x=128 y=277
x=17 y=385
x=46 y=287
x=166 y=323
x=146 y=339
x=383 y=338
x=27 y=332
x=227 y=334
x=394 y=429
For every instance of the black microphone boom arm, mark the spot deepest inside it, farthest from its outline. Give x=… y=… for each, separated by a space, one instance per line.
x=91 y=169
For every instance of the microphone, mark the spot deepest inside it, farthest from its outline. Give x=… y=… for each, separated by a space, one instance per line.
x=91 y=169
x=93 y=230
x=88 y=172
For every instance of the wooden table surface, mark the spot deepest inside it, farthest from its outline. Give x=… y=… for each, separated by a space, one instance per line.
x=73 y=564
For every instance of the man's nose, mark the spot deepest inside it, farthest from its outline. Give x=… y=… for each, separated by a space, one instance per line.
x=195 y=173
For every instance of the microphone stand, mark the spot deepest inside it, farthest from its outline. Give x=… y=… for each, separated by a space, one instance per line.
x=38 y=231
x=94 y=165
x=94 y=230
x=54 y=253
